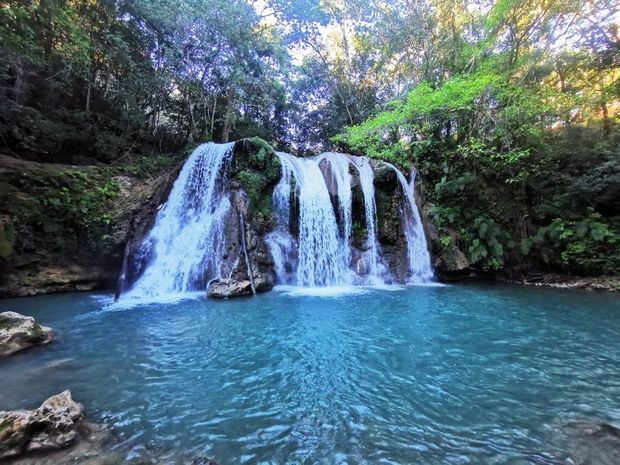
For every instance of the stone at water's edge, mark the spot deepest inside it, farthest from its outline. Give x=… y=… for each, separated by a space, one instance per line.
x=449 y=261
x=57 y=433
x=54 y=425
x=18 y=332
x=226 y=288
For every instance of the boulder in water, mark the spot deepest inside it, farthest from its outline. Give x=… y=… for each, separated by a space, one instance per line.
x=18 y=332
x=54 y=425
x=225 y=288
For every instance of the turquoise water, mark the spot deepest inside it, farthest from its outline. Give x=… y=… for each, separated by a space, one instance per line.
x=430 y=375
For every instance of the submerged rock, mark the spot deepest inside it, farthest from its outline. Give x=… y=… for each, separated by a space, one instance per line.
x=18 y=332
x=54 y=425
x=589 y=442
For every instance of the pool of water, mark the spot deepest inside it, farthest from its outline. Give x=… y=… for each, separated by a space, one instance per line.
x=470 y=374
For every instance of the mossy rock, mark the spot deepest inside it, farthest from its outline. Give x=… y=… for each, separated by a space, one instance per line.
x=257 y=169
x=18 y=332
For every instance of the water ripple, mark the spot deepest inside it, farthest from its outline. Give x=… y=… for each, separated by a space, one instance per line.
x=433 y=375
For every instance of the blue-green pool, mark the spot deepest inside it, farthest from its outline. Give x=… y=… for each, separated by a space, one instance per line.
x=463 y=374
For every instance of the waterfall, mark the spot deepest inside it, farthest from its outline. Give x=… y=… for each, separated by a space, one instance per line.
x=376 y=268
x=420 y=268
x=339 y=164
x=322 y=261
x=186 y=248
x=186 y=244
x=280 y=242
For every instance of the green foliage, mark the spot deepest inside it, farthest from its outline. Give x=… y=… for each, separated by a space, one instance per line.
x=147 y=166
x=487 y=243
x=72 y=200
x=95 y=79
x=256 y=186
x=588 y=245
x=258 y=170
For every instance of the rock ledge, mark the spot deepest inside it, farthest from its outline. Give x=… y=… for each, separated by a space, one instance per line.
x=54 y=425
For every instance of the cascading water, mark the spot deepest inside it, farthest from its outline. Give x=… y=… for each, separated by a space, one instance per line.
x=322 y=261
x=280 y=242
x=340 y=176
x=187 y=245
x=376 y=268
x=321 y=256
x=420 y=268
x=187 y=241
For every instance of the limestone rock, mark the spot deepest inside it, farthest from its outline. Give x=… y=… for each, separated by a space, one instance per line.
x=54 y=425
x=451 y=263
x=226 y=288
x=18 y=332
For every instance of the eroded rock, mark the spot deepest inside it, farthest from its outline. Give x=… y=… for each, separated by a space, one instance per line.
x=54 y=425
x=226 y=288
x=18 y=332
x=451 y=263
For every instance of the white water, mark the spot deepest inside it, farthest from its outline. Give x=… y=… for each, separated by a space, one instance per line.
x=420 y=268
x=376 y=268
x=187 y=241
x=322 y=261
x=339 y=168
x=281 y=244
x=186 y=246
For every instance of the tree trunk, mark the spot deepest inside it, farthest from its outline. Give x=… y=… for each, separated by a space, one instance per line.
x=229 y=115
x=213 y=117
x=88 y=93
x=19 y=80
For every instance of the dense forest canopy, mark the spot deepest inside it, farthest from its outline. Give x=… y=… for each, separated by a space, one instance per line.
x=508 y=109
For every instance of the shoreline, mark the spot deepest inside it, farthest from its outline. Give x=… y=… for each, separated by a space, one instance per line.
x=609 y=284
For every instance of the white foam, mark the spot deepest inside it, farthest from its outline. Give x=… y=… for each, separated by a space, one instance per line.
x=327 y=291
x=126 y=302
x=427 y=284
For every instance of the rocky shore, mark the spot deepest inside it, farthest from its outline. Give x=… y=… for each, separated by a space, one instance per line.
x=589 y=283
x=58 y=433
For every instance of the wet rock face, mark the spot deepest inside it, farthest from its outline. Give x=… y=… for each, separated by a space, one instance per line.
x=225 y=288
x=449 y=261
x=18 y=332
x=254 y=172
x=54 y=425
x=38 y=277
x=391 y=233
x=243 y=266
